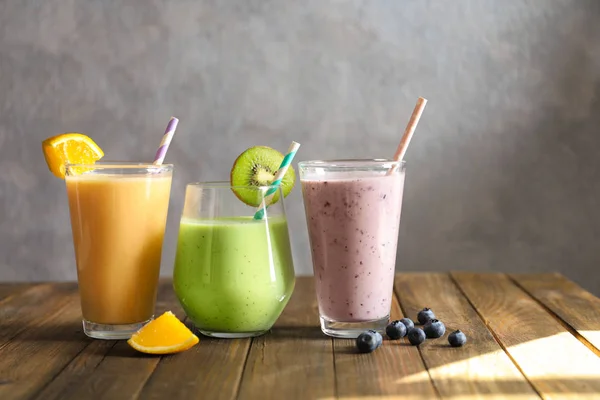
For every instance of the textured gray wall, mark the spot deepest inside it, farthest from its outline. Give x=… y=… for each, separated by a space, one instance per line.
x=503 y=173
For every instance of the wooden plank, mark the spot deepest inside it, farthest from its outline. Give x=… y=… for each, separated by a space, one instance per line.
x=557 y=364
x=395 y=370
x=8 y=290
x=118 y=373
x=87 y=361
x=295 y=359
x=480 y=369
x=210 y=370
x=575 y=306
x=35 y=304
x=33 y=357
x=82 y=365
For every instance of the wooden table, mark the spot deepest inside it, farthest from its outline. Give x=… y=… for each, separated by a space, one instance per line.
x=530 y=336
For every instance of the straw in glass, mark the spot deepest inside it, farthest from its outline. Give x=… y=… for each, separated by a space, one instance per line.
x=285 y=164
x=166 y=141
x=409 y=131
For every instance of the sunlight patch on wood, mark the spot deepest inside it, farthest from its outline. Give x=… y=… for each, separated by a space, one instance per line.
x=391 y=397
x=559 y=356
x=547 y=358
x=482 y=367
x=418 y=397
x=593 y=337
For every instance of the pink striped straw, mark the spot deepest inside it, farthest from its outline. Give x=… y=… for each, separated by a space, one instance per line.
x=166 y=141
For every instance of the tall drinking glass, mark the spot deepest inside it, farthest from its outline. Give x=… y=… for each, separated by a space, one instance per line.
x=353 y=215
x=118 y=217
x=233 y=274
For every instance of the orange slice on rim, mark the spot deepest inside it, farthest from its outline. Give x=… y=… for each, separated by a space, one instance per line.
x=69 y=148
x=164 y=335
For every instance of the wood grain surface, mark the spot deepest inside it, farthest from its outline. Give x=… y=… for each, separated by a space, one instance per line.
x=48 y=338
x=11 y=289
x=556 y=363
x=576 y=307
x=76 y=377
x=122 y=372
x=295 y=359
x=394 y=370
x=481 y=369
x=529 y=336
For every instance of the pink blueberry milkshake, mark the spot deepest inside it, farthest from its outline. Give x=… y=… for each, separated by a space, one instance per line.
x=353 y=214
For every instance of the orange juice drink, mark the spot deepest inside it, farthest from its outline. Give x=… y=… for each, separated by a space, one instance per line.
x=118 y=217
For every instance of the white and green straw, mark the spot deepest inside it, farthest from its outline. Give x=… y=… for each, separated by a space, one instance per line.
x=285 y=164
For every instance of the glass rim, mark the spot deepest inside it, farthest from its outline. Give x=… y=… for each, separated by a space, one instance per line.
x=119 y=165
x=352 y=163
x=227 y=185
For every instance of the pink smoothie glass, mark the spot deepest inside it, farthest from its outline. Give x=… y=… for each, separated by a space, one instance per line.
x=353 y=214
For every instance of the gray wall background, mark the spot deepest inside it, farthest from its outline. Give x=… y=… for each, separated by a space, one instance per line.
x=503 y=173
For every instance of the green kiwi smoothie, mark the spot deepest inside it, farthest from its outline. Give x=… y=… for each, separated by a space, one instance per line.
x=233 y=275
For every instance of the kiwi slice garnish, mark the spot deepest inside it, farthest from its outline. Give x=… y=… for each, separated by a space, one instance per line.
x=257 y=167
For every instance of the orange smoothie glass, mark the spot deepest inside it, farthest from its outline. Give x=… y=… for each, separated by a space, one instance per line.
x=118 y=217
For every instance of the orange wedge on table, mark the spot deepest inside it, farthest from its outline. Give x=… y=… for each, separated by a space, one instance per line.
x=164 y=335
x=69 y=148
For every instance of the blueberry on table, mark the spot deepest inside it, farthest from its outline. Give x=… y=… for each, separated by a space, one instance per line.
x=434 y=329
x=395 y=330
x=457 y=338
x=378 y=336
x=408 y=323
x=367 y=342
x=425 y=315
x=416 y=336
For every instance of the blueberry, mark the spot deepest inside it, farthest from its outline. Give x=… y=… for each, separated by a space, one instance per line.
x=425 y=315
x=395 y=330
x=457 y=339
x=378 y=336
x=408 y=323
x=434 y=329
x=367 y=341
x=416 y=336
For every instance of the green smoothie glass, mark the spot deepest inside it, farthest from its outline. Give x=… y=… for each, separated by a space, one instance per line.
x=233 y=274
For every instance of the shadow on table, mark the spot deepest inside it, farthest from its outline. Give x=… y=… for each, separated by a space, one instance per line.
x=297 y=332
x=71 y=331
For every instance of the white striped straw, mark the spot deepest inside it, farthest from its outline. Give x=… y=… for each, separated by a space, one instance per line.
x=166 y=141
x=285 y=164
